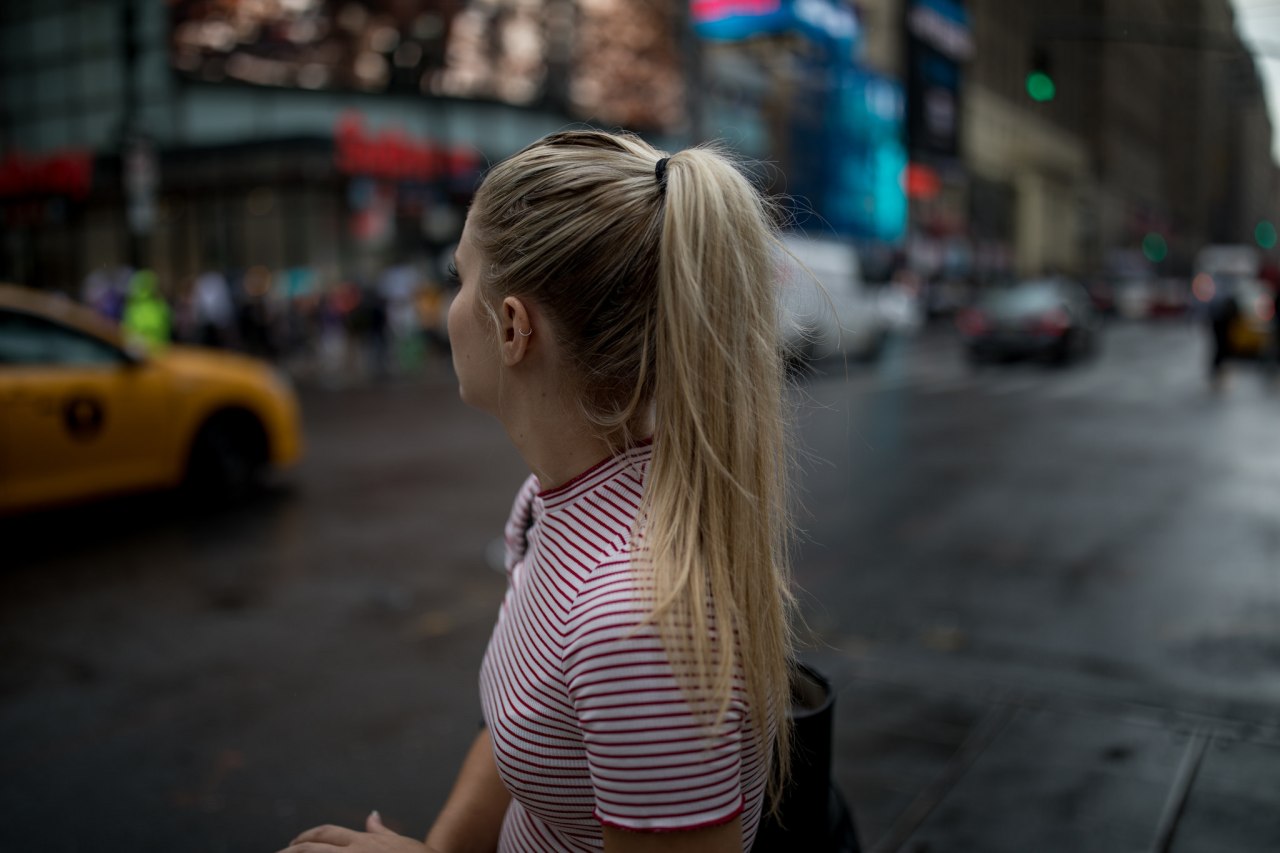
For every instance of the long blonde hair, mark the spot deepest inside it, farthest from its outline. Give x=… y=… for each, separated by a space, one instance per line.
x=663 y=296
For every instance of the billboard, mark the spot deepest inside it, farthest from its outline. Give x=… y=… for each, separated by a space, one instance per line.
x=939 y=42
x=870 y=162
x=731 y=20
x=849 y=159
x=614 y=62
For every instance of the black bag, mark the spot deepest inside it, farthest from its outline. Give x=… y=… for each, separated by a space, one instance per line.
x=814 y=814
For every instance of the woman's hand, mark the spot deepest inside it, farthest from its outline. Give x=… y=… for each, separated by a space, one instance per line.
x=375 y=839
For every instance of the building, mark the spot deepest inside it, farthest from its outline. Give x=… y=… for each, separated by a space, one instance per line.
x=1154 y=141
x=331 y=135
x=340 y=136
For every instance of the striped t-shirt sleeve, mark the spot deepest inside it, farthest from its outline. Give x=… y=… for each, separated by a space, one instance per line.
x=654 y=766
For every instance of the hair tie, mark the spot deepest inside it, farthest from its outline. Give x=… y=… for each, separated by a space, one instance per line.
x=660 y=173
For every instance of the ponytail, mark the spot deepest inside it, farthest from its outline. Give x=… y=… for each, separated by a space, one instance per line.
x=717 y=513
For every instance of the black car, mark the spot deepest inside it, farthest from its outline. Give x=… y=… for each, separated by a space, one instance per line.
x=1051 y=319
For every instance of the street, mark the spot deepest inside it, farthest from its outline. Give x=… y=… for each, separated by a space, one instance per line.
x=1042 y=592
x=1048 y=599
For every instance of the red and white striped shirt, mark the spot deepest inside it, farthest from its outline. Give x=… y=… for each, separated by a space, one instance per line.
x=588 y=723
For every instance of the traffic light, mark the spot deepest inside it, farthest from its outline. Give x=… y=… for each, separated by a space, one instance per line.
x=1155 y=247
x=1265 y=234
x=1040 y=85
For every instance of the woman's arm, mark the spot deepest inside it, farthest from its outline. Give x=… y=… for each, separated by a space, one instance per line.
x=471 y=819
x=723 y=838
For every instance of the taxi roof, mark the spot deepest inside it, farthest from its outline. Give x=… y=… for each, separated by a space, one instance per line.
x=61 y=309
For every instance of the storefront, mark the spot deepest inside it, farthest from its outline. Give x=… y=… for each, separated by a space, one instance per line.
x=44 y=204
x=344 y=205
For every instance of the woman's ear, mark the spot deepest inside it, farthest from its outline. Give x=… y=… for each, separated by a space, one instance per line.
x=517 y=330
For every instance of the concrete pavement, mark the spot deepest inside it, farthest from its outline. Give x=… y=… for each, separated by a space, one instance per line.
x=938 y=757
x=1088 y=656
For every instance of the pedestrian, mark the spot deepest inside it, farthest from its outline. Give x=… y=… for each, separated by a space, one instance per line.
x=106 y=290
x=215 y=312
x=619 y=305
x=147 y=317
x=1275 y=332
x=433 y=307
x=1223 y=311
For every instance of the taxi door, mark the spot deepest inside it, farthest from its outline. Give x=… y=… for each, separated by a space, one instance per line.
x=78 y=417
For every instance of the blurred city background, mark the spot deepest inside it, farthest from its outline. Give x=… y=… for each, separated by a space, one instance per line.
x=1038 y=407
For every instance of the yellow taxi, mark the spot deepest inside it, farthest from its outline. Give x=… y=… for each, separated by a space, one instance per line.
x=83 y=414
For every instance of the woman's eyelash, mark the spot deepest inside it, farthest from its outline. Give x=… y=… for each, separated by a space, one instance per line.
x=453 y=271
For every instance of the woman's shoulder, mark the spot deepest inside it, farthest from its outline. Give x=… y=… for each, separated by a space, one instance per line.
x=615 y=593
x=516 y=532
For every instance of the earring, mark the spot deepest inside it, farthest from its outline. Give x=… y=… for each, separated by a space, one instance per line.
x=524 y=334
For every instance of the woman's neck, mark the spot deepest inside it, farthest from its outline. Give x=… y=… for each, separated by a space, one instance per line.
x=557 y=456
x=555 y=440
x=544 y=420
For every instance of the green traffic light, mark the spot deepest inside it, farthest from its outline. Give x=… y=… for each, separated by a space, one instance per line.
x=1265 y=234
x=1155 y=247
x=1040 y=87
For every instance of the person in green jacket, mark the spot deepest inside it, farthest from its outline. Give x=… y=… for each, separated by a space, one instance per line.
x=146 y=314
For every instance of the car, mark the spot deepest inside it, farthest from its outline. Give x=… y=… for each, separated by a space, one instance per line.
x=1102 y=295
x=1172 y=297
x=1151 y=298
x=1051 y=318
x=1134 y=297
x=84 y=414
x=827 y=309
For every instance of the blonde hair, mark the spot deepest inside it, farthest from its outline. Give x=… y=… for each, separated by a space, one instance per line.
x=663 y=298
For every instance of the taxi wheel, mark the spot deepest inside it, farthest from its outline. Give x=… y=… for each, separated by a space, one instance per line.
x=228 y=457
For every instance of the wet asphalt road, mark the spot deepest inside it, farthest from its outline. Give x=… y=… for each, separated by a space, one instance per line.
x=1041 y=594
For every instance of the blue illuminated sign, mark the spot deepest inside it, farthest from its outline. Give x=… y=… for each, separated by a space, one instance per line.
x=731 y=20
x=849 y=158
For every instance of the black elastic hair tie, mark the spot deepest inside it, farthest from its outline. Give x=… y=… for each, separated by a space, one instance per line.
x=660 y=172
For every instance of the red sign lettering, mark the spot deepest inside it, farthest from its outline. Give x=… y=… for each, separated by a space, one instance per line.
x=393 y=155
x=68 y=173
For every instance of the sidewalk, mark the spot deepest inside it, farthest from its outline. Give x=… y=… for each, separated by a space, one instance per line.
x=943 y=767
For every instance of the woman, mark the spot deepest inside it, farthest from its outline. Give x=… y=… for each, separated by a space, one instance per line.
x=619 y=305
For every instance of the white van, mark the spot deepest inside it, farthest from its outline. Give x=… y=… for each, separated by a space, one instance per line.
x=844 y=320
